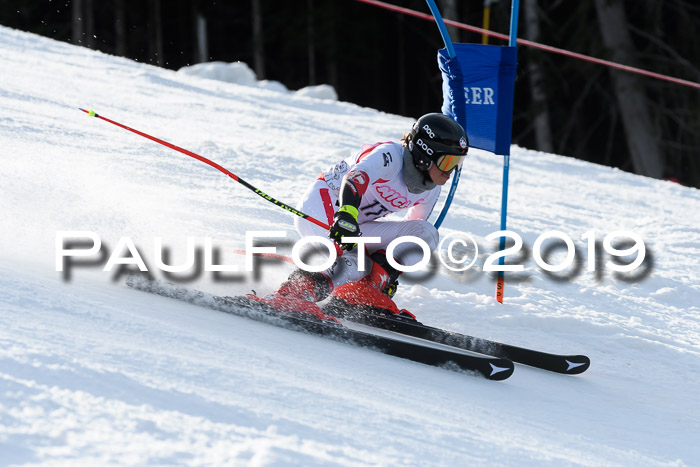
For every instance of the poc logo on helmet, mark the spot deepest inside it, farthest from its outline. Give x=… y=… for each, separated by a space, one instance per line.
x=424 y=147
x=429 y=131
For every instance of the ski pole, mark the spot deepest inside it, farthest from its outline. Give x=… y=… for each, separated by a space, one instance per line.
x=235 y=177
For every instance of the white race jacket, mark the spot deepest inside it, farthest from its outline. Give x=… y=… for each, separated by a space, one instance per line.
x=386 y=191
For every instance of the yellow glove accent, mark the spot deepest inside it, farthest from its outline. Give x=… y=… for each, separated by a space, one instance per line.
x=352 y=210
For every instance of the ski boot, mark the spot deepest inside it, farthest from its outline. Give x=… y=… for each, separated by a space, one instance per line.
x=299 y=294
x=371 y=295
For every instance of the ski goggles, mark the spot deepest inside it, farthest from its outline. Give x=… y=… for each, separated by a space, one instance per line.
x=449 y=161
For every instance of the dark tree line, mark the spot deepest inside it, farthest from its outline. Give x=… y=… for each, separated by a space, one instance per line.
x=385 y=60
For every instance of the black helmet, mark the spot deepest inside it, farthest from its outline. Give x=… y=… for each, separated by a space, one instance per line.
x=437 y=139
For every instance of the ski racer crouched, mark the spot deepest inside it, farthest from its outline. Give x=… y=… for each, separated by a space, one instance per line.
x=352 y=196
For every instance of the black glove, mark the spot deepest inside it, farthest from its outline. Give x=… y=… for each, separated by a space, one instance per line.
x=345 y=225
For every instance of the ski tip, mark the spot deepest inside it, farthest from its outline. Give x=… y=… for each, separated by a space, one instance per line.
x=576 y=364
x=500 y=369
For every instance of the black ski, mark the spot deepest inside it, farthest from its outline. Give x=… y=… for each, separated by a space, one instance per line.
x=494 y=368
x=565 y=364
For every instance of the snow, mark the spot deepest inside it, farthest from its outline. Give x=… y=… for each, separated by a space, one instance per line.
x=241 y=73
x=93 y=373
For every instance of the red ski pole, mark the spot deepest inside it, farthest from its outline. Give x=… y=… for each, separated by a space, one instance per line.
x=235 y=177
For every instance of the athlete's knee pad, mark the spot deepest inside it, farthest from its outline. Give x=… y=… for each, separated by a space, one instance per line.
x=425 y=231
x=409 y=253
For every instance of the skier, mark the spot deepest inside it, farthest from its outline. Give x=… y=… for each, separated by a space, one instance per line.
x=353 y=194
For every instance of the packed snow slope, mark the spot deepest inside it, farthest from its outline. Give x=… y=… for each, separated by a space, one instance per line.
x=94 y=373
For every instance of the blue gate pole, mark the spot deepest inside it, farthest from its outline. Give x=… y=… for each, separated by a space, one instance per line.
x=441 y=26
x=512 y=42
x=451 y=53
